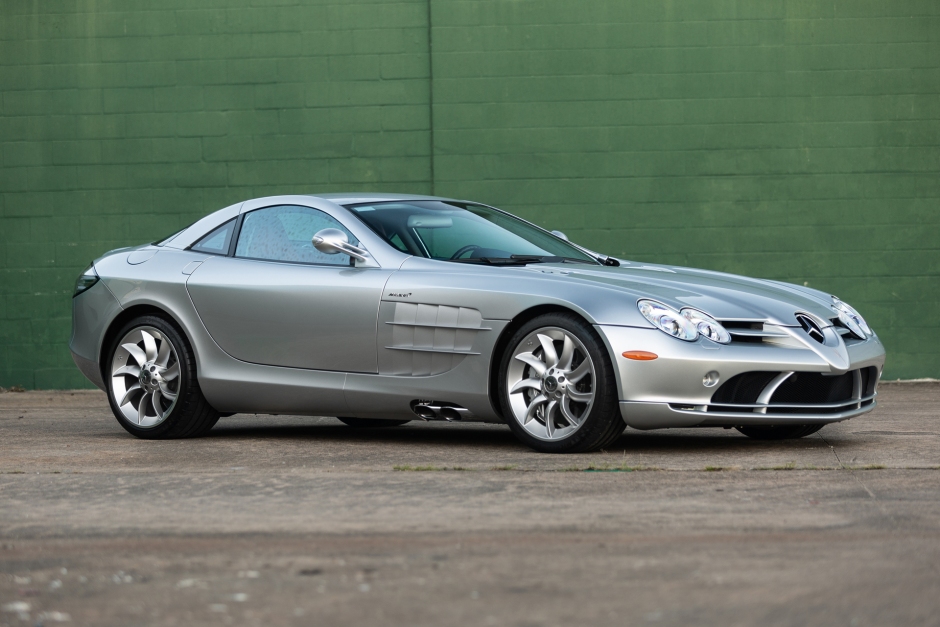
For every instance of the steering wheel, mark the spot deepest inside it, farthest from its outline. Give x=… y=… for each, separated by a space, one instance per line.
x=465 y=249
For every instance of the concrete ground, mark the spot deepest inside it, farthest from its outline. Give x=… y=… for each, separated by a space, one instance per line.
x=303 y=521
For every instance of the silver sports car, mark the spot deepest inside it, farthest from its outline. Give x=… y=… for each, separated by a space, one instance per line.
x=385 y=308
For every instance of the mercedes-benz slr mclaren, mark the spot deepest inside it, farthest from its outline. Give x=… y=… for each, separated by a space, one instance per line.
x=380 y=309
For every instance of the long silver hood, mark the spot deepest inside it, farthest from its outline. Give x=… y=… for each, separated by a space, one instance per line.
x=607 y=296
x=729 y=297
x=724 y=296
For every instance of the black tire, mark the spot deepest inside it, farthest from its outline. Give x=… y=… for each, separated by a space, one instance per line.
x=779 y=432
x=191 y=416
x=371 y=423
x=604 y=424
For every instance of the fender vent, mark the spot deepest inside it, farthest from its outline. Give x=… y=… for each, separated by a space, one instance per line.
x=426 y=340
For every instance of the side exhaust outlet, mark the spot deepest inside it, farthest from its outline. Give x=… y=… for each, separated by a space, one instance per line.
x=439 y=410
x=448 y=413
x=426 y=412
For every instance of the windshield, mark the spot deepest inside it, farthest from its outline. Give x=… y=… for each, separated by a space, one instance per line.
x=453 y=231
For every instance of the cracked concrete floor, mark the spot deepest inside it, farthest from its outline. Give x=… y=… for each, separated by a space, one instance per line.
x=298 y=521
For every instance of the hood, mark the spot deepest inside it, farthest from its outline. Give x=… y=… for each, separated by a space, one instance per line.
x=723 y=296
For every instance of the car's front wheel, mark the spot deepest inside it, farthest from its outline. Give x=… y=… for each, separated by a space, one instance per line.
x=557 y=386
x=152 y=386
x=779 y=432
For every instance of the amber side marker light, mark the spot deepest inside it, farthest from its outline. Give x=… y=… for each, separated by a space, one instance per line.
x=640 y=355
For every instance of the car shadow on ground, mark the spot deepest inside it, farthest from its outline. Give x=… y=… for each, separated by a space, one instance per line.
x=498 y=436
x=460 y=435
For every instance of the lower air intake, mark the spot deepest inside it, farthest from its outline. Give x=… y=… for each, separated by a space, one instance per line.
x=814 y=392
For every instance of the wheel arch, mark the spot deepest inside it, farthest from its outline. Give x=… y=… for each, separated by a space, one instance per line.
x=503 y=341
x=134 y=311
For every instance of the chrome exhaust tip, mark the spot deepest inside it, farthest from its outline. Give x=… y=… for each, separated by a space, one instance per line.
x=425 y=412
x=438 y=410
x=450 y=414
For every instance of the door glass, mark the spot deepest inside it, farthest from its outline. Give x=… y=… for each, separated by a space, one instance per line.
x=285 y=234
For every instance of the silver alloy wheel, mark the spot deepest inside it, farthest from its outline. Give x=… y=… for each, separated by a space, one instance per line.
x=145 y=377
x=551 y=382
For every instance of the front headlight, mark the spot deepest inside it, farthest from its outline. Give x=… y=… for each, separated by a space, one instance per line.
x=668 y=320
x=707 y=326
x=851 y=318
x=88 y=278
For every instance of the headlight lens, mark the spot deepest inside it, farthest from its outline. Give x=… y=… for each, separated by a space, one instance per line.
x=88 y=278
x=707 y=326
x=668 y=320
x=851 y=318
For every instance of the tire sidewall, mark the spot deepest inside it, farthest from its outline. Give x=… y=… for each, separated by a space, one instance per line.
x=606 y=400
x=183 y=353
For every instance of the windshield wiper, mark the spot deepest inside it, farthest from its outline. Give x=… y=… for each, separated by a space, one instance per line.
x=499 y=261
x=521 y=260
x=552 y=259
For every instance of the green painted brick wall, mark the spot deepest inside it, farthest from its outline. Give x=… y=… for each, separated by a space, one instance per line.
x=786 y=139
x=121 y=123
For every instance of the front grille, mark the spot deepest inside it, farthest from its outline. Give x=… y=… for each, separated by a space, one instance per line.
x=759 y=332
x=811 y=392
x=734 y=325
x=847 y=335
x=744 y=331
x=811 y=328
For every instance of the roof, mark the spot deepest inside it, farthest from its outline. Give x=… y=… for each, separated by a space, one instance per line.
x=349 y=198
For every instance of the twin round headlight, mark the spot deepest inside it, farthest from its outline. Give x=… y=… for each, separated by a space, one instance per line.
x=686 y=324
x=852 y=319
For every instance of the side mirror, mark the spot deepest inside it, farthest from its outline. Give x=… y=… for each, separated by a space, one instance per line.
x=333 y=241
x=560 y=234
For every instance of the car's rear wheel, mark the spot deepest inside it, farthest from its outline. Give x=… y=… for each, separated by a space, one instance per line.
x=557 y=386
x=370 y=423
x=152 y=386
x=779 y=432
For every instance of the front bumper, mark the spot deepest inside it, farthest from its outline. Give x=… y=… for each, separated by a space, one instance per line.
x=669 y=391
x=660 y=415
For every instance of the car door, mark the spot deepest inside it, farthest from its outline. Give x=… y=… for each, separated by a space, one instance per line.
x=276 y=300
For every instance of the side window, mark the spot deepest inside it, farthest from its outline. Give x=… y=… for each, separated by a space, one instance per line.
x=285 y=234
x=217 y=241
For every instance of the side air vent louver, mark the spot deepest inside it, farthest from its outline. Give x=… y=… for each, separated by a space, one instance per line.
x=423 y=340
